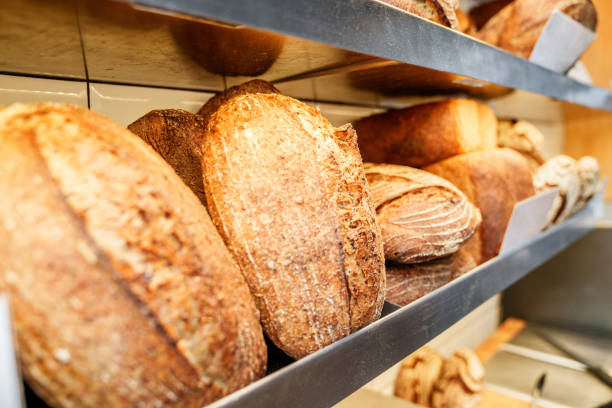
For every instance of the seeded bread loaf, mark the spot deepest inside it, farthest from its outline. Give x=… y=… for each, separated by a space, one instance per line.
x=424 y=134
x=289 y=196
x=439 y=11
x=517 y=27
x=421 y=216
x=494 y=181
x=122 y=290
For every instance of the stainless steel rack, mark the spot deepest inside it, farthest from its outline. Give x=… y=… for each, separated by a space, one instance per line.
x=327 y=376
x=374 y=28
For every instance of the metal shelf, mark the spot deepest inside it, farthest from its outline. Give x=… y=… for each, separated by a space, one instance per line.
x=327 y=376
x=374 y=28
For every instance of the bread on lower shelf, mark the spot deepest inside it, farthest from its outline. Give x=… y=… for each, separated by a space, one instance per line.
x=417 y=375
x=494 y=181
x=123 y=292
x=424 y=134
x=421 y=216
x=288 y=194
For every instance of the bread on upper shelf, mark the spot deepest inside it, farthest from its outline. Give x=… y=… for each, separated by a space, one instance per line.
x=421 y=216
x=122 y=290
x=517 y=27
x=439 y=11
x=288 y=193
x=494 y=181
x=424 y=134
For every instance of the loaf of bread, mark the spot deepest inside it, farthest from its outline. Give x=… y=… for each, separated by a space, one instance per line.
x=562 y=172
x=227 y=50
x=122 y=290
x=421 y=216
x=177 y=136
x=439 y=11
x=588 y=172
x=517 y=27
x=484 y=12
x=523 y=137
x=417 y=375
x=461 y=381
x=289 y=196
x=424 y=134
x=494 y=181
x=407 y=283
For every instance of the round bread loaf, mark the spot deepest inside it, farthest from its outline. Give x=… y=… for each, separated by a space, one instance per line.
x=122 y=290
x=288 y=194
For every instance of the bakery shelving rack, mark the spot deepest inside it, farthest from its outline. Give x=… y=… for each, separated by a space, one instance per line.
x=352 y=44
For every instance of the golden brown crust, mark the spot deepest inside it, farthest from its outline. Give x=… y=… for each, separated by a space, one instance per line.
x=494 y=181
x=254 y=86
x=282 y=187
x=424 y=134
x=517 y=27
x=439 y=11
x=407 y=283
x=127 y=294
x=422 y=216
x=483 y=13
x=465 y=22
x=418 y=374
x=177 y=136
x=461 y=381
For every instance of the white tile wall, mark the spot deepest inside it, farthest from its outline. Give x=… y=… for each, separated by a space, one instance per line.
x=124 y=103
x=26 y=89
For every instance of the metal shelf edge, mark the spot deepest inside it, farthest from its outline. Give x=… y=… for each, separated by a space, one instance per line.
x=374 y=28
x=327 y=376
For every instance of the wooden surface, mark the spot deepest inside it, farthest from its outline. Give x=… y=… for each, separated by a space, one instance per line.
x=589 y=131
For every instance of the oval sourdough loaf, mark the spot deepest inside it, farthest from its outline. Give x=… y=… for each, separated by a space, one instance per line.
x=424 y=134
x=122 y=290
x=494 y=181
x=517 y=27
x=407 y=283
x=289 y=195
x=421 y=216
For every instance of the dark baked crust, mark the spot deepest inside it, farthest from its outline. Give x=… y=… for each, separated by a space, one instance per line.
x=439 y=11
x=125 y=293
x=282 y=186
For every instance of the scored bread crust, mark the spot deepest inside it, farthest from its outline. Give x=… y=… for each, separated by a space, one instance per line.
x=422 y=216
x=177 y=136
x=127 y=294
x=517 y=27
x=427 y=133
x=494 y=181
x=288 y=194
x=439 y=11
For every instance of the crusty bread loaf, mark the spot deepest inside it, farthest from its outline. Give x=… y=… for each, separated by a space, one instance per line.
x=588 y=171
x=254 y=86
x=417 y=375
x=407 y=283
x=288 y=194
x=439 y=11
x=494 y=181
x=483 y=12
x=562 y=172
x=227 y=50
x=122 y=291
x=461 y=381
x=421 y=216
x=523 y=137
x=517 y=27
x=424 y=134
x=177 y=136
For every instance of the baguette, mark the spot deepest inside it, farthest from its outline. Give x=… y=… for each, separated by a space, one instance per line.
x=123 y=292
x=421 y=216
x=288 y=193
